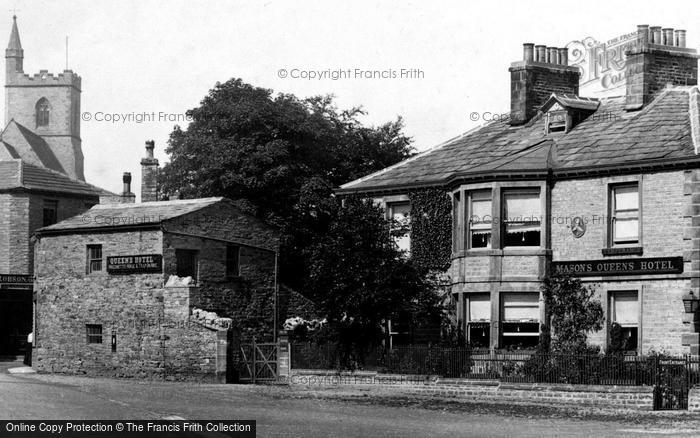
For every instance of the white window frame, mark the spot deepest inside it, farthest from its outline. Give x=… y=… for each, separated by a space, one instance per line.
x=470 y=216
x=504 y=219
x=614 y=213
x=390 y=212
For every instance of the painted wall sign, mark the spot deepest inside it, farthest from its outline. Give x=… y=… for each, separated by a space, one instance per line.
x=16 y=279
x=638 y=266
x=135 y=264
x=602 y=65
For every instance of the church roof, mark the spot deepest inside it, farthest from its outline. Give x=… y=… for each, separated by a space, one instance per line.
x=665 y=132
x=20 y=142
x=132 y=215
x=15 y=43
x=18 y=174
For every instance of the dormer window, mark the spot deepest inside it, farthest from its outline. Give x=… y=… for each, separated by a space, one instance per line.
x=557 y=121
x=562 y=112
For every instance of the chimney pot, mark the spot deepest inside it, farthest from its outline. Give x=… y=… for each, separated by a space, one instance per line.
x=643 y=33
x=126 y=179
x=540 y=53
x=680 y=38
x=150 y=145
x=668 y=36
x=554 y=55
x=528 y=52
x=655 y=32
x=564 y=56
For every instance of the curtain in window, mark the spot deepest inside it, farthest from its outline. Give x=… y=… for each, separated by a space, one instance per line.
x=626 y=309
x=479 y=307
x=522 y=211
x=521 y=307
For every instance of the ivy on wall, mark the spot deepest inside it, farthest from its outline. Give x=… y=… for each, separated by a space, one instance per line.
x=431 y=228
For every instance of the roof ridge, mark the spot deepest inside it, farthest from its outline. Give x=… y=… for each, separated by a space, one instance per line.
x=159 y=203
x=413 y=158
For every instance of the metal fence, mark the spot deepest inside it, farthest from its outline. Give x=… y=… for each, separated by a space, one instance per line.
x=508 y=367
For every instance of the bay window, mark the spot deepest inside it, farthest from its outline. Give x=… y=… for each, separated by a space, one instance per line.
x=478 y=320
x=480 y=219
x=520 y=320
x=521 y=218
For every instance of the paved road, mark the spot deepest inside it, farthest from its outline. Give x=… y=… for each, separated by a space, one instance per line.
x=283 y=412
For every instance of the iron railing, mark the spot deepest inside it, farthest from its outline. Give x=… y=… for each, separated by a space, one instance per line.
x=508 y=367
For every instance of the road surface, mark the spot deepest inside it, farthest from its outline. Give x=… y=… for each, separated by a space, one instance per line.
x=294 y=412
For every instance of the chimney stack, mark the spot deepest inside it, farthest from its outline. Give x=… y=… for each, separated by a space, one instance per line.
x=127 y=197
x=660 y=58
x=533 y=80
x=149 y=174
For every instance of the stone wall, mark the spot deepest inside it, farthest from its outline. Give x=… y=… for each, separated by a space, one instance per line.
x=624 y=397
x=155 y=337
x=20 y=215
x=664 y=203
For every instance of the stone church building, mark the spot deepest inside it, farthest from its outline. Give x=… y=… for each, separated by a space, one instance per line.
x=41 y=179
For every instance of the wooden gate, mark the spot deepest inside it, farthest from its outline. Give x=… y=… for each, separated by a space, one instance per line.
x=258 y=362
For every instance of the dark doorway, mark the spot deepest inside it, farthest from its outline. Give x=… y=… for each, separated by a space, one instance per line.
x=15 y=320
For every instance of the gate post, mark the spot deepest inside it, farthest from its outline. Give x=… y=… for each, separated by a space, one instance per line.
x=284 y=357
x=254 y=373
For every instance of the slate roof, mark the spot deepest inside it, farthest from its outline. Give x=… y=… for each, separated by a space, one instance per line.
x=29 y=146
x=18 y=174
x=662 y=132
x=131 y=215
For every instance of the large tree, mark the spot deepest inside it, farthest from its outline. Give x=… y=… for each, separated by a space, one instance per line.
x=278 y=156
x=361 y=278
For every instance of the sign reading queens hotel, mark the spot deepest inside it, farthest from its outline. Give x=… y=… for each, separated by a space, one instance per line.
x=602 y=65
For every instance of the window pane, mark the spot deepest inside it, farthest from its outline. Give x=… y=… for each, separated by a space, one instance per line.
x=186 y=263
x=626 y=198
x=626 y=230
x=522 y=207
x=400 y=212
x=481 y=239
x=626 y=308
x=479 y=307
x=521 y=306
x=481 y=213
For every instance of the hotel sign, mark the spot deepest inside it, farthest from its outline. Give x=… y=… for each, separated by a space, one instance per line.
x=16 y=279
x=135 y=264
x=639 y=266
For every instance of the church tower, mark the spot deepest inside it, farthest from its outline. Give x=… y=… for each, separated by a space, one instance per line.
x=48 y=105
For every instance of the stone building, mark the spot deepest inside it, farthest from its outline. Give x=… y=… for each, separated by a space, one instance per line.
x=151 y=289
x=41 y=179
x=602 y=187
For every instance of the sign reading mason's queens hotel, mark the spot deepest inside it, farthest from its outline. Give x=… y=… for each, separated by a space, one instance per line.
x=595 y=175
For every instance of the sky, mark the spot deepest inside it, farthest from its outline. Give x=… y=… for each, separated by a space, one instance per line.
x=162 y=57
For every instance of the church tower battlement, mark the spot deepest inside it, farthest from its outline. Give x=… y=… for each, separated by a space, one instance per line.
x=46 y=104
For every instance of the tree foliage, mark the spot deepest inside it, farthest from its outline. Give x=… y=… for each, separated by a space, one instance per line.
x=279 y=157
x=362 y=279
x=573 y=312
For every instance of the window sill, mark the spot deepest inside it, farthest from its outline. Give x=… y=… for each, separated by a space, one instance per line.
x=511 y=251
x=623 y=250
